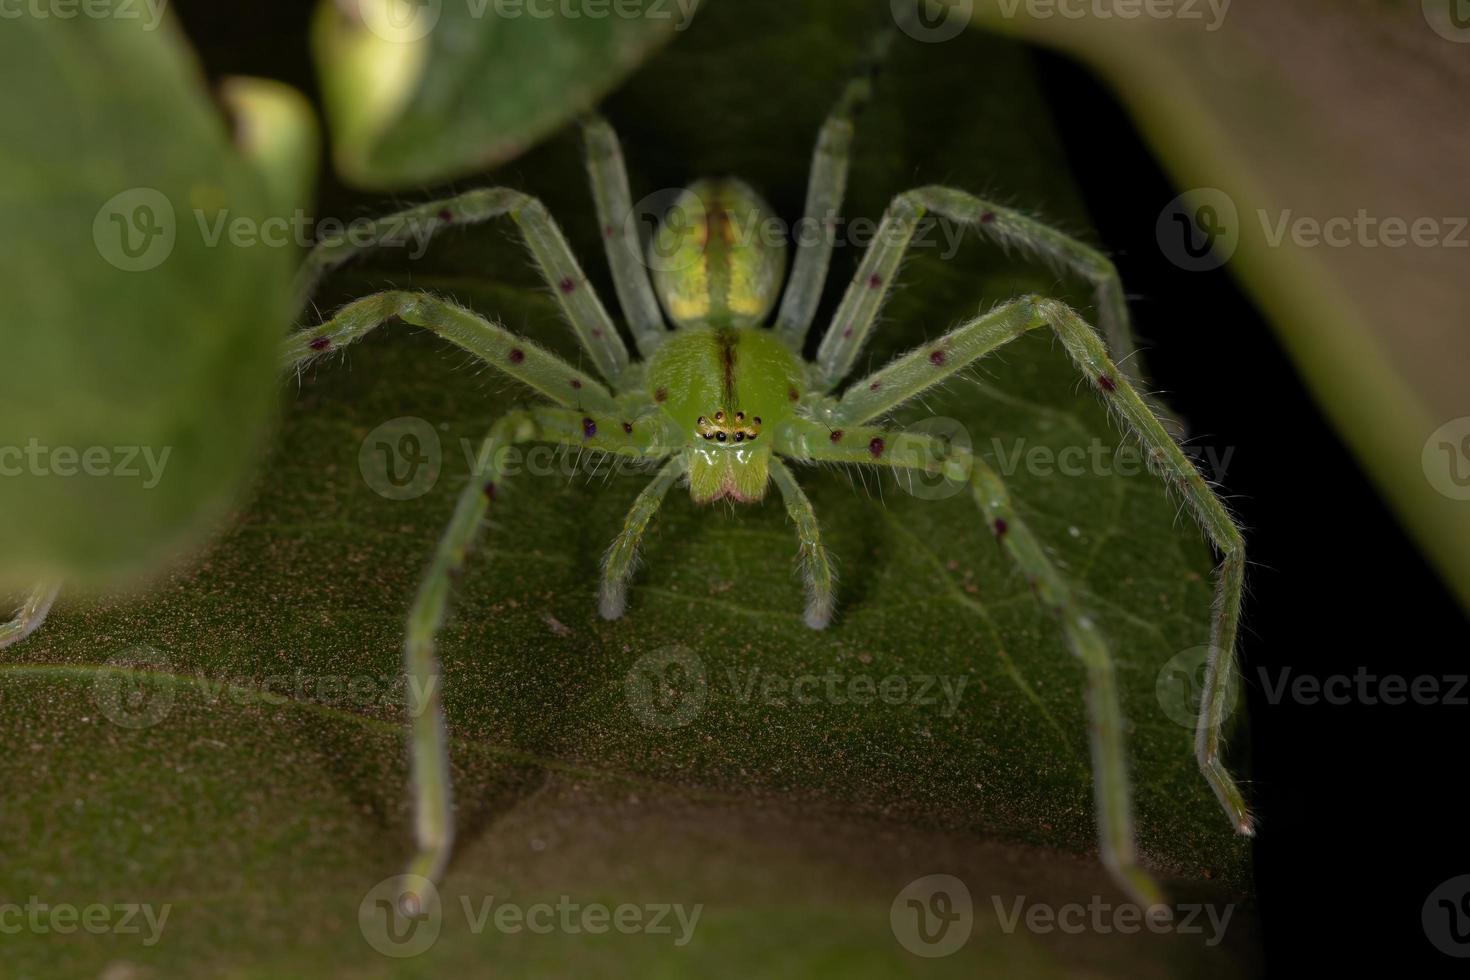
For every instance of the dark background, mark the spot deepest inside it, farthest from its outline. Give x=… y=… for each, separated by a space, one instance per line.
x=1358 y=805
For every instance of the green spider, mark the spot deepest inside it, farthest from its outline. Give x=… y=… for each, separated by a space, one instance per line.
x=722 y=402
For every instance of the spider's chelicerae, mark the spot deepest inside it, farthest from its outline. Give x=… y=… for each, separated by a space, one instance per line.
x=723 y=402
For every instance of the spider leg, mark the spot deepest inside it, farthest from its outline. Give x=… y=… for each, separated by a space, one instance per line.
x=614 y=201
x=31 y=615
x=812 y=558
x=621 y=559
x=853 y=322
x=826 y=188
x=543 y=239
x=428 y=740
x=910 y=374
x=914 y=451
x=496 y=346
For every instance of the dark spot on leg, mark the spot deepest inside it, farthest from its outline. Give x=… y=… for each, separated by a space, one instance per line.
x=321 y=344
x=793 y=394
x=517 y=355
x=875 y=281
x=661 y=396
x=609 y=231
x=1001 y=527
x=987 y=217
x=490 y=490
x=847 y=333
x=836 y=435
x=577 y=383
x=628 y=428
x=596 y=333
x=876 y=447
x=445 y=215
x=1106 y=383
x=566 y=286
x=937 y=358
x=874 y=386
x=589 y=428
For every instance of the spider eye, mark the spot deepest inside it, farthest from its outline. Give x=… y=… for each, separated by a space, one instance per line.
x=740 y=437
x=739 y=416
x=720 y=436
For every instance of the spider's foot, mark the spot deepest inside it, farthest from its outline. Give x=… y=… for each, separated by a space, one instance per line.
x=612 y=602
x=818 y=615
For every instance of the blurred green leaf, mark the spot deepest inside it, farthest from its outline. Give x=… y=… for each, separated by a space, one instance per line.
x=1344 y=118
x=137 y=347
x=424 y=91
x=264 y=792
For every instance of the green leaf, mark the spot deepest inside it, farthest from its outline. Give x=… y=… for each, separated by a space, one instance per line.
x=1336 y=117
x=424 y=91
x=263 y=791
x=138 y=354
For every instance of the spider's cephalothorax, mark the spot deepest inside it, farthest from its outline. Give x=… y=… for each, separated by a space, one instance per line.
x=726 y=402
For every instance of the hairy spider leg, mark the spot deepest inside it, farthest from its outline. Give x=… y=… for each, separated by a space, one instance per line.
x=32 y=613
x=855 y=317
x=553 y=257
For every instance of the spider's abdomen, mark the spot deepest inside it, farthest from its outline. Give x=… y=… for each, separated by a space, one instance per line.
x=717 y=258
x=728 y=391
